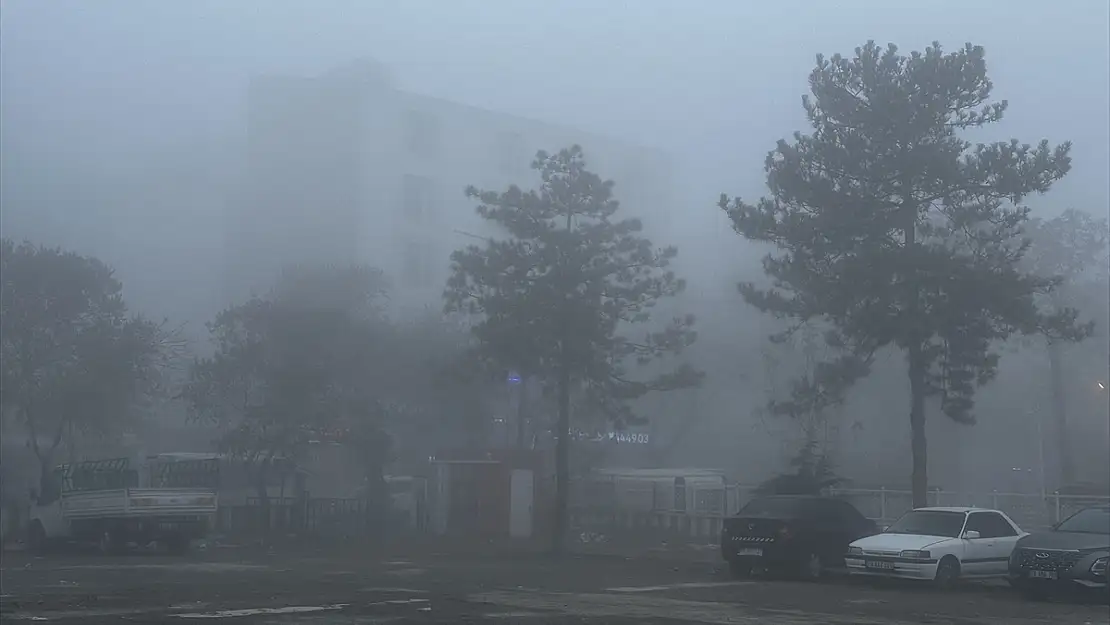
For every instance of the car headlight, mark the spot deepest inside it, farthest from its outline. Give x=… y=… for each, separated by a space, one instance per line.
x=1099 y=566
x=855 y=551
x=916 y=555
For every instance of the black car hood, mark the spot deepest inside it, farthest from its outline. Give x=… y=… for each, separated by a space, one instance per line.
x=1065 y=540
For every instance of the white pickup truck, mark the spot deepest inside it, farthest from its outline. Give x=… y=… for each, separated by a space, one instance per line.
x=102 y=502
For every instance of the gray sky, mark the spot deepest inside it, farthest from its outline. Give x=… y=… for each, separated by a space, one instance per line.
x=713 y=81
x=115 y=86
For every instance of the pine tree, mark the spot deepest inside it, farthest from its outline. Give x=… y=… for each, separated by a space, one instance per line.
x=895 y=232
x=1071 y=246
x=555 y=299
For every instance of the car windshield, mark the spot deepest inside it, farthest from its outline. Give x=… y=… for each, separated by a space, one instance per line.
x=1089 y=521
x=929 y=523
x=774 y=507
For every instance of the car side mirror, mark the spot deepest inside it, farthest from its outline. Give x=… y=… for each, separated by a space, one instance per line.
x=883 y=528
x=971 y=535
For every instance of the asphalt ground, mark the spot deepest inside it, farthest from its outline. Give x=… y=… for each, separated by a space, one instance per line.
x=347 y=587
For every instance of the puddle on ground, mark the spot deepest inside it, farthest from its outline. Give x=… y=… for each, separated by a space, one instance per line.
x=292 y=609
x=195 y=567
x=406 y=572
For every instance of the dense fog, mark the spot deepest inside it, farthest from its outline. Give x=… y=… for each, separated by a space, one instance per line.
x=198 y=147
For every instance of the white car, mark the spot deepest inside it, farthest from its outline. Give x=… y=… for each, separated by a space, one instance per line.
x=938 y=544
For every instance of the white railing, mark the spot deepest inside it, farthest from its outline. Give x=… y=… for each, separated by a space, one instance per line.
x=1030 y=511
x=712 y=505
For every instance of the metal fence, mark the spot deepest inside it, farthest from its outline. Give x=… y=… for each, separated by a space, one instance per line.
x=320 y=517
x=1029 y=511
x=702 y=524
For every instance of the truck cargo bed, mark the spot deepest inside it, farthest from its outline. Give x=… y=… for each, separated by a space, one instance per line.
x=139 y=502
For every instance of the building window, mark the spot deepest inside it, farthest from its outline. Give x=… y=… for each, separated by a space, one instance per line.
x=422 y=133
x=417 y=270
x=418 y=198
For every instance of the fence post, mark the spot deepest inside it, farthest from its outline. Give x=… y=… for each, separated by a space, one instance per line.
x=994 y=499
x=1057 y=495
x=882 y=504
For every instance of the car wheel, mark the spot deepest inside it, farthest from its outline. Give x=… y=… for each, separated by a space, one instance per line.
x=947 y=572
x=740 y=568
x=111 y=542
x=178 y=544
x=813 y=567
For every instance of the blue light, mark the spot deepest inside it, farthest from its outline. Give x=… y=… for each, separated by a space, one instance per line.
x=514 y=377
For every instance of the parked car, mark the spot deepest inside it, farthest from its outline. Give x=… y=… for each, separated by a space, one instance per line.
x=938 y=544
x=801 y=535
x=1073 y=554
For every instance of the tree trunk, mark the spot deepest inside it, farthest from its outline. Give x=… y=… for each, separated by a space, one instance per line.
x=377 y=499
x=45 y=458
x=562 y=429
x=918 y=444
x=1060 y=414
x=915 y=352
x=46 y=480
x=477 y=429
x=521 y=410
x=46 y=469
x=263 y=492
x=562 y=463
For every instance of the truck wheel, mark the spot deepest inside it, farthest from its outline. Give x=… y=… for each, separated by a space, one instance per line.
x=112 y=542
x=36 y=538
x=178 y=544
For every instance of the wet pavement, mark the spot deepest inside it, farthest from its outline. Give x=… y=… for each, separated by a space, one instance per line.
x=344 y=587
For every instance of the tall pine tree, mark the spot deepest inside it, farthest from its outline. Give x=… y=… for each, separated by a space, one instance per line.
x=1071 y=246
x=556 y=298
x=895 y=232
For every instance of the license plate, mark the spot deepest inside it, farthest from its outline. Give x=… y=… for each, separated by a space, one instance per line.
x=1042 y=574
x=876 y=564
x=749 y=551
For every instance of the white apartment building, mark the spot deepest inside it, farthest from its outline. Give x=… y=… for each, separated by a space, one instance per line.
x=346 y=167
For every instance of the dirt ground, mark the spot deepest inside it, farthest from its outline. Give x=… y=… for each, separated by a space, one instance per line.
x=348 y=586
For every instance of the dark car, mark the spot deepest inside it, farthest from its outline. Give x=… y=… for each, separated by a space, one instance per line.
x=799 y=535
x=1072 y=555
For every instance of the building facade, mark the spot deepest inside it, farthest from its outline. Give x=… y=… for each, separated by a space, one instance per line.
x=347 y=168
